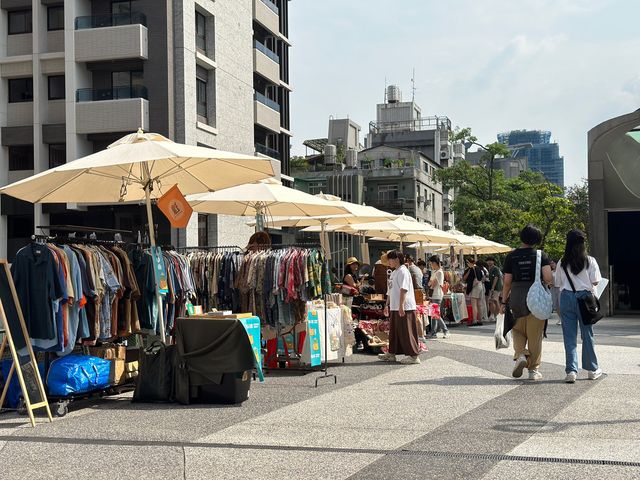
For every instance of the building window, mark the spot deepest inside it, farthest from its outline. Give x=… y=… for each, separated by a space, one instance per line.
x=203 y=230
x=19 y=22
x=201 y=32
x=126 y=84
x=56 y=87
x=121 y=6
x=20 y=157
x=121 y=12
x=202 y=76
x=387 y=192
x=55 y=18
x=57 y=154
x=20 y=90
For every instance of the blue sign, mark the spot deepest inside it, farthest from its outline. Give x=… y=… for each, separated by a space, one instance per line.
x=252 y=326
x=313 y=337
x=160 y=270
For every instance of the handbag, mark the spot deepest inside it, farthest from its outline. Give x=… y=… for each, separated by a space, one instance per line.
x=502 y=340
x=155 y=381
x=539 y=299
x=589 y=306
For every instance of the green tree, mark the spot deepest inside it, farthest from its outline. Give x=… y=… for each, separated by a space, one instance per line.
x=299 y=162
x=497 y=208
x=491 y=152
x=578 y=195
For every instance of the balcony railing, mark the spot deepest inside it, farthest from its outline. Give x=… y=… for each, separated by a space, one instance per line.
x=267 y=101
x=270 y=152
x=394 y=203
x=272 y=6
x=113 y=20
x=263 y=48
x=115 y=93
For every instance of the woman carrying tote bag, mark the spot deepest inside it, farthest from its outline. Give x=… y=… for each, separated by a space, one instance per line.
x=581 y=270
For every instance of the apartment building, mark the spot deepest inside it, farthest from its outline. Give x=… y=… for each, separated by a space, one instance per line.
x=79 y=74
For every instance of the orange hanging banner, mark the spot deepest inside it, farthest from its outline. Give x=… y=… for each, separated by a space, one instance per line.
x=175 y=207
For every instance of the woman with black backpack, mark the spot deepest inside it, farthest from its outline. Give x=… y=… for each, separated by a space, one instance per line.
x=576 y=275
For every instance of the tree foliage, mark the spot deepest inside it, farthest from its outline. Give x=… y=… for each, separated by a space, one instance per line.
x=500 y=214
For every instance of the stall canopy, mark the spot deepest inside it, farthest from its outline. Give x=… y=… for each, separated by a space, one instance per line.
x=137 y=168
x=354 y=214
x=480 y=246
x=264 y=199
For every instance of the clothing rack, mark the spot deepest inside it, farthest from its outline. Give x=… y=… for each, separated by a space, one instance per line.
x=325 y=368
x=280 y=246
x=234 y=248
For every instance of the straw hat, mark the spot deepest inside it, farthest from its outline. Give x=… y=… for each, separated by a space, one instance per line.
x=351 y=260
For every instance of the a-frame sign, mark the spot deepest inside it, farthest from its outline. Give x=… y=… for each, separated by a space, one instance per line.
x=16 y=337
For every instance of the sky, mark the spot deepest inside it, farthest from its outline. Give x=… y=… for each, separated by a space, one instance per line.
x=492 y=65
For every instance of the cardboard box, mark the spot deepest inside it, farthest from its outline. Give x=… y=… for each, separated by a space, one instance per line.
x=131 y=367
x=109 y=351
x=117 y=371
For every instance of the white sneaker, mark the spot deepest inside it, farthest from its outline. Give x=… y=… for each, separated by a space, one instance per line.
x=410 y=361
x=387 y=357
x=571 y=377
x=446 y=335
x=595 y=374
x=521 y=362
x=535 y=375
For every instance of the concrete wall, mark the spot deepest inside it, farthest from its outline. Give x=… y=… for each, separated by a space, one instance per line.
x=112 y=116
x=111 y=43
x=19 y=114
x=55 y=41
x=21 y=44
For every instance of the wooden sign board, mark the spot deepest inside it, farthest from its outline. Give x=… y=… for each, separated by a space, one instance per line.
x=17 y=339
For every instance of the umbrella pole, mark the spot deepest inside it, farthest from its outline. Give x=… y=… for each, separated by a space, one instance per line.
x=327 y=256
x=152 y=241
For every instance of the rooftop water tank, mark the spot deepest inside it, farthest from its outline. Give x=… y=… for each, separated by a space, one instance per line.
x=330 y=154
x=352 y=158
x=393 y=94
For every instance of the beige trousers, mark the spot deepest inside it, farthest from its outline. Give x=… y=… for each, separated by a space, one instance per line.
x=527 y=340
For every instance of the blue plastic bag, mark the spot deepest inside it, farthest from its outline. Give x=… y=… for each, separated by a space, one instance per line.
x=77 y=374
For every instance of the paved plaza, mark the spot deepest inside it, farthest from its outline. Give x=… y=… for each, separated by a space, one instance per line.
x=458 y=415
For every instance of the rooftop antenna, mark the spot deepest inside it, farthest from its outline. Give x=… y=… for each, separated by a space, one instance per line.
x=385 y=90
x=413 y=85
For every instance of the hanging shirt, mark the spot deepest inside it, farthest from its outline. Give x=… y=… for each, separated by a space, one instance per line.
x=35 y=275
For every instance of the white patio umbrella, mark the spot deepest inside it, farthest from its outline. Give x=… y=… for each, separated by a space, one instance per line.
x=265 y=198
x=480 y=246
x=402 y=229
x=354 y=214
x=137 y=168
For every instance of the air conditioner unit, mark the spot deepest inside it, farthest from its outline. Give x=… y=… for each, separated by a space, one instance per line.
x=420 y=199
x=446 y=152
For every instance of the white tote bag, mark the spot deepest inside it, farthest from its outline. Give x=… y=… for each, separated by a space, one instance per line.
x=539 y=299
x=502 y=340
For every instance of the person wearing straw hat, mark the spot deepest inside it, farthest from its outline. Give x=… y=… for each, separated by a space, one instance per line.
x=350 y=280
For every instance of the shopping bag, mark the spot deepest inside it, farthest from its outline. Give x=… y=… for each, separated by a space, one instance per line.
x=155 y=373
x=502 y=340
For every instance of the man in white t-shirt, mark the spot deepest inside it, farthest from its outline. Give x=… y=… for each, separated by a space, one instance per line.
x=436 y=283
x=401 y=308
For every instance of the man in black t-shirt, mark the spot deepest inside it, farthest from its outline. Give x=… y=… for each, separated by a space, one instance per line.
x=519 y=272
